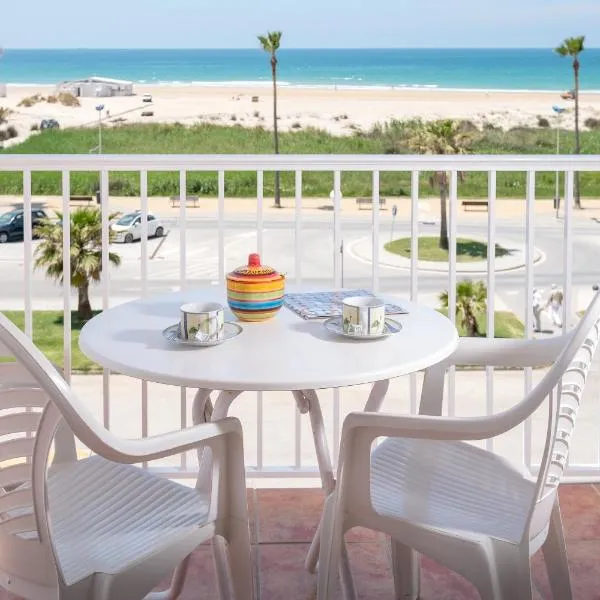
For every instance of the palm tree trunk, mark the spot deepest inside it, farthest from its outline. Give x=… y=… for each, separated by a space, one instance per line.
x=444 y=244
x=84 y=308
x=276 y=133
x=472 y=327
x=577 y=139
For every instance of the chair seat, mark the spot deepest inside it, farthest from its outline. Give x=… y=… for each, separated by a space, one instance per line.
x=450 y=486
x=105 y=516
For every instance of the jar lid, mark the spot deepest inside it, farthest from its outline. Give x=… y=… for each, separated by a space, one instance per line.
x=254 y=269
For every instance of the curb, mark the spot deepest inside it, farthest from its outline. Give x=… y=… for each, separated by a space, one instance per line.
x=476 y=267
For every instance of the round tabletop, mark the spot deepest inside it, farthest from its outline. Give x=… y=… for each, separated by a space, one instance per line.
x=285 y=353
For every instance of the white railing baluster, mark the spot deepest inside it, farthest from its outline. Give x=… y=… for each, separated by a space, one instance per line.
x=144 y=278
x=528 y=317
x=66 y=284
x=105 y=278
x=298 y=226
x=452 y=225
x=338 y=278
x=259 y=211
x=568 y=251
x=414 y=267
x=27 y=253
x=221 y=213
x=491 y=295
x=375 y=234
x=298 y=280
x=182 y=229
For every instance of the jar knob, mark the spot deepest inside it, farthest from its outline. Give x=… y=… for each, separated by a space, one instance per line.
x=254 y=260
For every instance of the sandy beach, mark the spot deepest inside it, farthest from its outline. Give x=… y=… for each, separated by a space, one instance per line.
x=340 y=111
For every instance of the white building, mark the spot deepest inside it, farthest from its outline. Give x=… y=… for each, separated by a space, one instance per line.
x=97 y=87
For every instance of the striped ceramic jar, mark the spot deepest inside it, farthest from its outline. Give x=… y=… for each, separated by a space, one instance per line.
x=255 y=292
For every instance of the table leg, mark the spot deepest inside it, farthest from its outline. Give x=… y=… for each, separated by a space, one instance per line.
x=308 y=401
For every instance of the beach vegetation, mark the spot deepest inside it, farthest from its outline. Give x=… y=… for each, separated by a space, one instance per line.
x=86 y=253
x=51 y=99
x=30 y=101
x=441 y=137
x=68 y=99
x=592 y=123
x=270 y=43
x=543 y=122
x=296 y=125
x=471 y=302
x=5 y=113
x=211 y=138
x=572 y=47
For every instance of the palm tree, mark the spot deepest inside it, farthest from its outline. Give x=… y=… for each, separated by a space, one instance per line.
x=270 y=44
x=471 y=299
x=86 y=253
x=573 y=47
x=440 y=137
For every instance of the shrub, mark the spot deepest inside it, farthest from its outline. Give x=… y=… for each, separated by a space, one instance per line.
x=3 y=135
x=256 y=114
x=4 y=114
x=29 y=101
x=233 y=118
x=51 y=99
x=34 y=127
x=466 y=126
x=592 y=123
x=12 y=132
x=543 y=122
x=296 y=125
x=68 y=99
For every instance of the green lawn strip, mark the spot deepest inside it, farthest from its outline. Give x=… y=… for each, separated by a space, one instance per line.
x=48 y=336
x=506 y=324
x=393 y=138
x=429 y=249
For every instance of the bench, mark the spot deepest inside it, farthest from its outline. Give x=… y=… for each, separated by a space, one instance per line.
x=483 y=203
x=360 y=202
x=189 y=200
x=86 y=199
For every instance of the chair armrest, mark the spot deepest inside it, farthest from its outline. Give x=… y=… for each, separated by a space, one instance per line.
x=488 y=352
x=167 y=444
x=436 y=427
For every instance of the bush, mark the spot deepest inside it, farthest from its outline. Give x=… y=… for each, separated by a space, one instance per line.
x=3 y=135
x=296 y=125
x=34 y=127
x=51 y=99
x=4 y=114
x=233 y=118
x=68 y=99
x=30 y=101
x=12 y=132
x=543 y=122
x=256 y=114
x=592 y=123
x=466 y=126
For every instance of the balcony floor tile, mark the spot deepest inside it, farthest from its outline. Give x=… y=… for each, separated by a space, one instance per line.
x=284 y=520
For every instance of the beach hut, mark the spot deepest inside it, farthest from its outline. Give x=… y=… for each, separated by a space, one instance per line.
x=97 y=87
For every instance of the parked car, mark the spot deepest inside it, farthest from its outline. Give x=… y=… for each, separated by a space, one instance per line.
x=12 y=223
x=129 y=227
x=49 y=124
x=147 y=98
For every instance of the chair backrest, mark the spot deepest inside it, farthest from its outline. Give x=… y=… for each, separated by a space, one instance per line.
x=563 y=385
x=34 y=399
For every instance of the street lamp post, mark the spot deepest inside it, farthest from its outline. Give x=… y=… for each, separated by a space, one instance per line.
x=100 y=108
x=558 y=110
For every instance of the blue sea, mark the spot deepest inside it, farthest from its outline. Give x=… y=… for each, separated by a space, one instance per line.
x=481 y=69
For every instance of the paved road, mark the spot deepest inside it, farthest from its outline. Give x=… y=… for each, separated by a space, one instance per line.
x=316 y=259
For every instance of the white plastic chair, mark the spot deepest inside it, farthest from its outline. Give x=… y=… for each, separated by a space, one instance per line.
x=461 y=505
x=101 y=528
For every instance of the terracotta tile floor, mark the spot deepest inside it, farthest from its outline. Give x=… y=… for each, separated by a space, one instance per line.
x=284 y=520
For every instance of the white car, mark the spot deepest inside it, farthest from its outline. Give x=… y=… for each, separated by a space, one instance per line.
x=129 y=227
x=147 y=98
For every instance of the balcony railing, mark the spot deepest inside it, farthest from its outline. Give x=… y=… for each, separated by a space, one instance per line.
x=292 y=456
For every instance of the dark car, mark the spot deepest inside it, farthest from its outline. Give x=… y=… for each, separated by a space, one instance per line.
x=49 y=124
x=12 y=226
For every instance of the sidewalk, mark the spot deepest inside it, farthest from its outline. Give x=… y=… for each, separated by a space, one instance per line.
x=208 y=207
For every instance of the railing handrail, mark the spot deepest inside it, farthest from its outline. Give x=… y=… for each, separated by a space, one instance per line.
x=302 y=162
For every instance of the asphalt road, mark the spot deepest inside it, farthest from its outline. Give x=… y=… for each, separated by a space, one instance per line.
x=317 y=255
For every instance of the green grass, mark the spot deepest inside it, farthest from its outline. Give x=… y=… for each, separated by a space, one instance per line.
x=219 y=139
x=429 y=249
x=48 y=336
x=506 y=324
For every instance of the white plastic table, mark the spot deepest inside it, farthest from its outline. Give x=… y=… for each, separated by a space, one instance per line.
x=286 y=353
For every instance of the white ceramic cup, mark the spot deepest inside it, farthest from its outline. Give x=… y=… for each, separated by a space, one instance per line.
x=202 y=322
x=363 y=315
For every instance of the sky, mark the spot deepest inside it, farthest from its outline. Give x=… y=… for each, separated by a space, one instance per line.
x=305 y=23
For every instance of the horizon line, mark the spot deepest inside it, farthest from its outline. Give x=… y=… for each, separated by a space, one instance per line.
x=8 y=48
